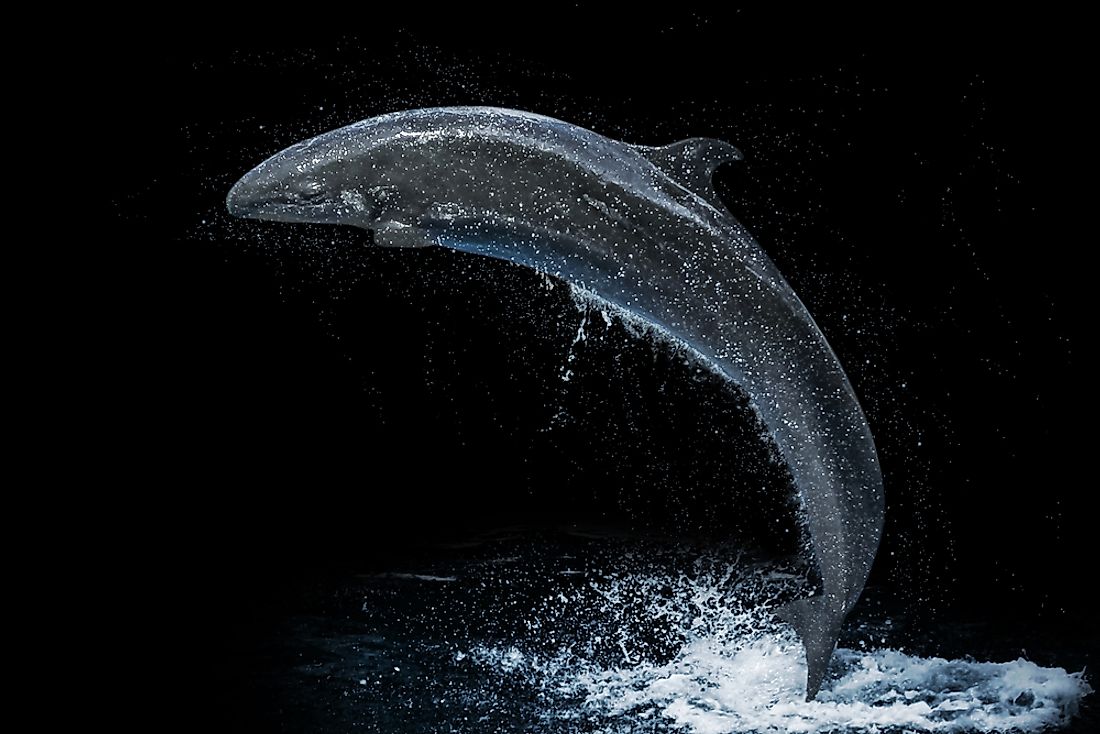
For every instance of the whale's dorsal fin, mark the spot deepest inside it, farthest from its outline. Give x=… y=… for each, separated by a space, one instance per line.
x=691 y=163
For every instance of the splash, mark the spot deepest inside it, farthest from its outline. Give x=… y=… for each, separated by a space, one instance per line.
x=734 y=668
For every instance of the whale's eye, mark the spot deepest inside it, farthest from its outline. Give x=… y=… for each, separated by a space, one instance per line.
x=308 y=192
x=382 y=196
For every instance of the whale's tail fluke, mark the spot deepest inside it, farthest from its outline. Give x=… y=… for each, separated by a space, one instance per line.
x=818 y=627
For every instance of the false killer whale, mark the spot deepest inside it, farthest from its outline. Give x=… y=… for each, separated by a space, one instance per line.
x=638 y=227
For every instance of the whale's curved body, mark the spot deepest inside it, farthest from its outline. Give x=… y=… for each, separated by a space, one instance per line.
x=641 y=228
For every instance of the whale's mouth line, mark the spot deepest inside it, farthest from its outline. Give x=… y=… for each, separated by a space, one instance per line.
x=324 y=212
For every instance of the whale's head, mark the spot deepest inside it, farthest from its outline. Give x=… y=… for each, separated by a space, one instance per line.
x=356 y=176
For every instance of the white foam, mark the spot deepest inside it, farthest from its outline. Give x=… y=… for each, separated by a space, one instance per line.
x=759 y=686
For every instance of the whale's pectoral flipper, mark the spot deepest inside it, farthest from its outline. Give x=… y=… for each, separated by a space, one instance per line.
x=818 y=627
x=691 y=163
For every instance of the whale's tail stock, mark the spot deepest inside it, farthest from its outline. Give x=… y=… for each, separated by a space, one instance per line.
x=818 y=626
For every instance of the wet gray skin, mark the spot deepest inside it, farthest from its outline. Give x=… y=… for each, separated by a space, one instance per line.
x=642 y=229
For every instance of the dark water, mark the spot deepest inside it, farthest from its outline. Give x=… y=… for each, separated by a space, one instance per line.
x=557 y=632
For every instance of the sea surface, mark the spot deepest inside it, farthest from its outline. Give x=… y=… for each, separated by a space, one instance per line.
x=556 y=632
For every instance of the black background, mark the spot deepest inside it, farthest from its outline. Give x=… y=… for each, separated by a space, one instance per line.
x=295 y=405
